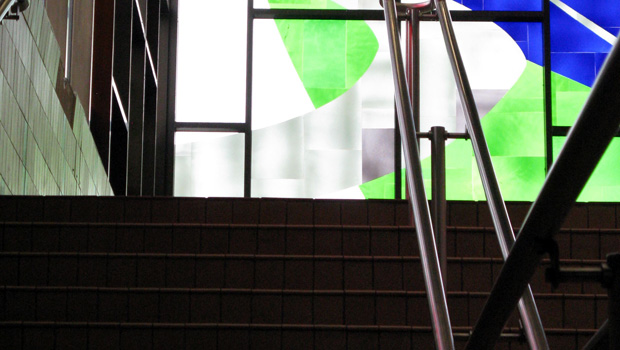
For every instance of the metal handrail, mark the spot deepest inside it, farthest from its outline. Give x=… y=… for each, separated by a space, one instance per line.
x=5 y=7
x=15 y=5
x=530 y=318
x=585 y=144
x=437 y=301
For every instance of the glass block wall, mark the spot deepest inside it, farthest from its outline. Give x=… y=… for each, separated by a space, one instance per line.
x=41 y=152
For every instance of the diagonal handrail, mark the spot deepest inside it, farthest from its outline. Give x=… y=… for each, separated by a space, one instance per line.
x=15 y=5
x=530 y=318
x=586 y=142
x=438 y=305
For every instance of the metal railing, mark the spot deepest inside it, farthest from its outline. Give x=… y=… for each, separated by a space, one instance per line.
x=531 y=322
x=442 y=330
x=530 y=318
x=586 y=142
x=7 y=5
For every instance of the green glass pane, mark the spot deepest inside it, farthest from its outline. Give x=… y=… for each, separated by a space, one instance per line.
x=359 y=53
x=521 y=177
x=293 y=40
x=324 y=55
x=558 y=143
x=604 y=184
x=382 y=187
x=329 y=56
x=568 y=98
x=519 y=134
x=304 y=4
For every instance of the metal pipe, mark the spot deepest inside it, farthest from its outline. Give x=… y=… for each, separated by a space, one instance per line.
x=576 y=274
x=584 y=147
x=69 y=43
x=448 y=135
x=247 y=161
x=398 y=164
x=413 y=64
x=5 y=7
x=438 y=181
x=437 y=302
x=377 y=15
x=548 y=103
x=527 y=307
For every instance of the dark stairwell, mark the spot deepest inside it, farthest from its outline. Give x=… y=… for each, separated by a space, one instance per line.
x=185 y=273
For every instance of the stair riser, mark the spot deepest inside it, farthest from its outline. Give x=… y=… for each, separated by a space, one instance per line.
x=274 y=211
x=204 y=337
x=306 y=240
x=222 y=239
x=215 y=306
x=204 y=210
x=278 y=272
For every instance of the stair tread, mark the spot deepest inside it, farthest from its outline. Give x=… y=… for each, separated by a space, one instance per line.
x=369 y=292
x=264 y=325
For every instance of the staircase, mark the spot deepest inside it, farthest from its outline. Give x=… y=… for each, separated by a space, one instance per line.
x=187 y=273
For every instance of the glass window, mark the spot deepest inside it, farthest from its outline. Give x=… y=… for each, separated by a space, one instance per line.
x=209 y=164
x=211 y=61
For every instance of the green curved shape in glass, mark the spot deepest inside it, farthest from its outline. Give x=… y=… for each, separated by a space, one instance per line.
x=514 y=129
x=329 y=56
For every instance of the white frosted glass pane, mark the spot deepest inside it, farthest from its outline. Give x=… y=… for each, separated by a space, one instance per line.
x=211 y=61
x=209 y=164
x=278 y=92
x=376 y=85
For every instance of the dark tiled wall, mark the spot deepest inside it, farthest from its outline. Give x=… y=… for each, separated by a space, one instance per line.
x=204 y=210
x=582 y=215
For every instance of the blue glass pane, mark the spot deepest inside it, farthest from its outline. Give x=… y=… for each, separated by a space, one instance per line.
x=502 y=5
x=529 y=38
x=605 y=13
x=568 y=35
x=512 y=5
x=476 y=5
x=577 y=52
x=580 y=67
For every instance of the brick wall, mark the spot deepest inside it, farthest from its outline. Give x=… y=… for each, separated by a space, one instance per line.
x=41 y=153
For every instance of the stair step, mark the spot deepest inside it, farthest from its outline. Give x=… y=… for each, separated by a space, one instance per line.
x=241 y=306
x=272 y=211
x=258 y=271
x=184 y=273
x=82 y=335
x=209 y=238
x=275 y=239
x=204 y=210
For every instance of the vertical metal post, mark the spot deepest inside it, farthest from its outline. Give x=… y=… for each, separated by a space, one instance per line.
x=613 y=260
x=413 y=63
x=171 y=35
x=69 y=42
x=438 y=159
x=247 y=174
x=548 y=103
x=398 y=164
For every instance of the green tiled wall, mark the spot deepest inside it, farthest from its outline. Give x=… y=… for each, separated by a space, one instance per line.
x=40 y=153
